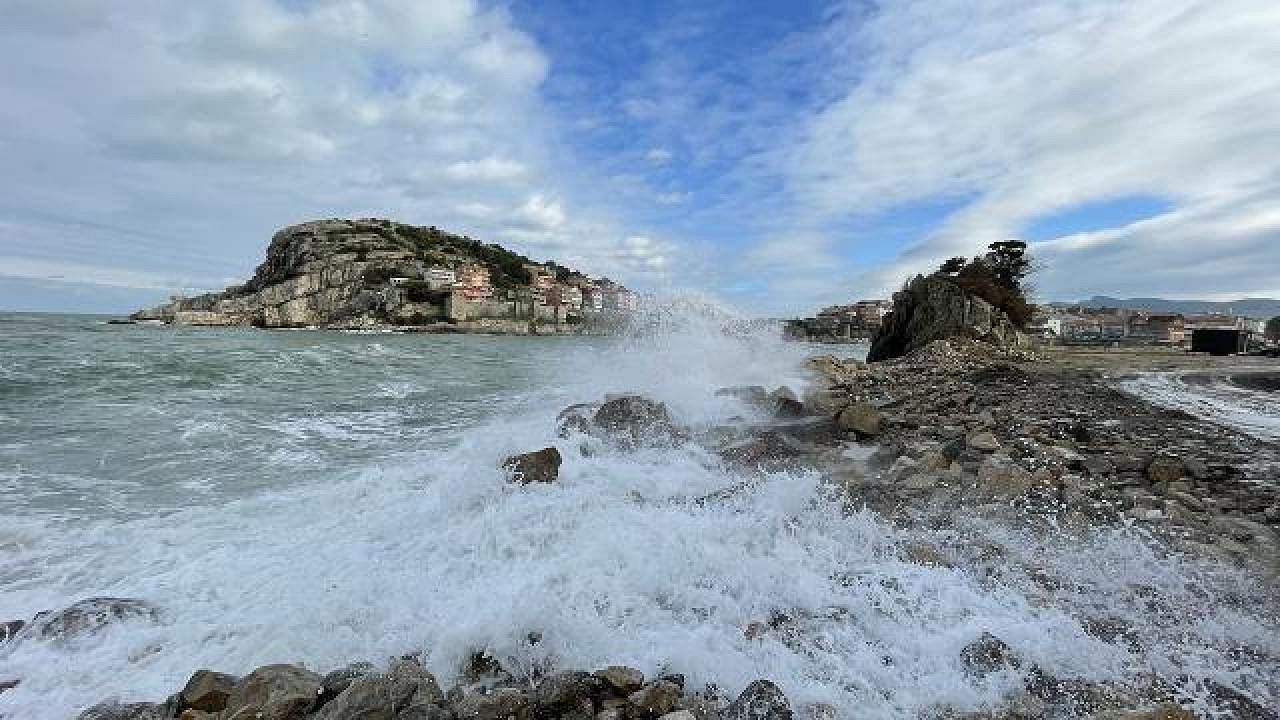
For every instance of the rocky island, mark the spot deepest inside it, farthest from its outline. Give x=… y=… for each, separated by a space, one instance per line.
x=379 y=274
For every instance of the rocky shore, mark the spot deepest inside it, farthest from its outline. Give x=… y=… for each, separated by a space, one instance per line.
x=955 y=430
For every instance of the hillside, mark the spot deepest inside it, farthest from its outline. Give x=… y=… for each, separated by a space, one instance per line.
x=1248 y=307
x=363 y=273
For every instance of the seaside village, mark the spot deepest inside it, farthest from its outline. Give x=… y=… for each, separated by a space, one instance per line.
x=1060 y=324
x=553 y=295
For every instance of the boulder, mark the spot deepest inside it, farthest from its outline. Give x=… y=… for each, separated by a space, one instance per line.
x=338 y=680
x=91 y=616
x=564 y=692
x=577 y=419
x=275 y=692
x=8 y=685
x=762 y=700
x=376 y=696
x=634 y=420
x=622 y=679
x=1163 y=711
x=208 y=691
x=126 y=711
x=656 y=699
x=934 y=308
x=860 y=418
x=9 y=630
x=541 y=466
x=751 y=395
x=984 y=442
x=987 y=654
x=501 y=704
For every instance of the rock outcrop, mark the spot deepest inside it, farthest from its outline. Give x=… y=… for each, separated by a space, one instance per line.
x=934 y=308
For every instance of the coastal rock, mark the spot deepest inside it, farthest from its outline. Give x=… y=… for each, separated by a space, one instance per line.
x=208 y=691
x=933 y=308
x=9 y=630
x=126 y=711
x=338 y=680
x=751 y=395
x=9 y=685
x=984 y=442
x=621 y=678
x=381 y=697
x=91 y=616
x=1164 y=470
x=577 y=419
x=987 y=654
x=860 y=418
x=761 y=700
x=564 y=692
x=656 y=699
x=501 y=704
x=275 y=692
x=541 y=466
x=634 y=421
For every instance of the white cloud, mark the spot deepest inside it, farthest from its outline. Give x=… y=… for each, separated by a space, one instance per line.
x=1035 y=108
x=659 y=156
x=538 y=213
x=489 y=169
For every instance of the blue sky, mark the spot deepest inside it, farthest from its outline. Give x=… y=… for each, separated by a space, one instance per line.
x=776 y=156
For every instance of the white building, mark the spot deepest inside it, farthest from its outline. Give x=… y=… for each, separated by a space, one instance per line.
x=440 y=278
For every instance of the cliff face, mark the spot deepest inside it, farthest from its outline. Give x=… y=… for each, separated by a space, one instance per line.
x=337 y=273
x=932 y=308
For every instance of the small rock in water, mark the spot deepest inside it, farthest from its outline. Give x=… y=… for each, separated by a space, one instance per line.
x=564 y=692
x=635 y=420
x=658 y=699
x=126 y=711
x=500 y=704
x=987 y=654
x=376 y=696
x=762 y=700
x=9 y=630
x=91 y=616
x=621 y=678
x=541 y=466
x=8 y=685
x=338 y=680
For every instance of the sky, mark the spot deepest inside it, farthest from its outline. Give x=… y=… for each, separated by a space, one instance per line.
x=776 y=156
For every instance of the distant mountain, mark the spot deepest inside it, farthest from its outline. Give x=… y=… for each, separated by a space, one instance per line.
x=1248 y=307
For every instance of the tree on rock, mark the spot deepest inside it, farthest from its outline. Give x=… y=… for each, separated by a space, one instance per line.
x=997 y=277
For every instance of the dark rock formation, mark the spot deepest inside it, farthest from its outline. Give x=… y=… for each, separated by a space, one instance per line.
x=275 y=692
x=541 y=466
x=633 y=421
x=934 y=308
x=762 y=700
x=91 y=616
x=208 y=691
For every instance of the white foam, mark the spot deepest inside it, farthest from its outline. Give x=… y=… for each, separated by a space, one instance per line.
x=1250 y=411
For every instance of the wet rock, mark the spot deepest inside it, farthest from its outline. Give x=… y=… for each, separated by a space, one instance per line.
x=987 y=654
x=208 y=691
x=656 y=699
x=91 y=616
x=275 y=692
x=983 y=442
x=922 y=553
x=381 y=697
x=1002 y=479
x=9 y=630
x=1163 y=711
x=8 y=685
x=678 y=715
x=564 y=692
x=751 y=395
x=762 y=700
x=622 y=679
x=126 y=711
x=785 y=408
x=338 y=680
x=1164 y=470
x=500 y=704
x=541 y=466
x=860 y=418
x=424 y=712
x=1237 y=705
x=577 y=419
x=633 y=420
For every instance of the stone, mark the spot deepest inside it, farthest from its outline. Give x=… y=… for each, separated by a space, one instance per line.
x=424 y=712
x=935 y=308
x=275 y=692
x=633 y=420
x=338 y=680
x=933 y=460
x=761 y=700
x=91 y=616
x=1003 y=479
x=750 y=395
x=1163 y=711
x=208 y=691
x=1164 y=470
x=983 y=442
x=678 y=715
x=563 y=692
x=1195 y=468
x=861 y=419
x=9 y=630
x=9 y=685
x=621 y=678
x=540 y=466
x=376 y=696
x=126 y=711
x=987 y=654
x=1237 y=705
x=656 y=699
x=576 y=419
x=501 y=704
x=922 y=553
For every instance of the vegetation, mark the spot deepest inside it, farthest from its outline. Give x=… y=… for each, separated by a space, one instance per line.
x=997 y=277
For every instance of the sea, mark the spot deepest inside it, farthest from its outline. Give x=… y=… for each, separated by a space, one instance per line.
x=322 y=497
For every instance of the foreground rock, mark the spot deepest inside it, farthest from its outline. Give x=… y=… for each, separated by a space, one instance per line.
x=541 y=466
x=933 y=308
x=407 y=691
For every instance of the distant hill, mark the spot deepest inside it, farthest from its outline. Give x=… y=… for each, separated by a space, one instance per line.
x=1248 y=307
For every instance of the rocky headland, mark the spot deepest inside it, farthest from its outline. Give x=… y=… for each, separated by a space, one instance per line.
x=958 y=429
x=378 y=274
